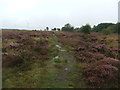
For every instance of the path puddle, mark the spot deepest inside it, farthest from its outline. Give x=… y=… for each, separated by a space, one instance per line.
x=57 y=57
x=60 y=48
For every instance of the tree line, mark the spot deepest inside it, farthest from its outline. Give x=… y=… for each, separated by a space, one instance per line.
x=106 y=28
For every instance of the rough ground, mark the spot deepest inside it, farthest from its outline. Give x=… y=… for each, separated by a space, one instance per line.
x=64 y=72
x=60 y=71
x=56 y=59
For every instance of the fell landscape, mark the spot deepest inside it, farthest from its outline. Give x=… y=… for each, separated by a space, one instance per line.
x=60 y=59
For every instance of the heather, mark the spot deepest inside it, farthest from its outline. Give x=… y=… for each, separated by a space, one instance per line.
x=99 y=52
x=60 y=59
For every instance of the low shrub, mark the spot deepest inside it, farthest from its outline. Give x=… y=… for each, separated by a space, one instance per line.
x=103 y=71
x=11 y=60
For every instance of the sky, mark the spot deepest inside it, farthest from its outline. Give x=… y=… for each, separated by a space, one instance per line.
x=39 y=14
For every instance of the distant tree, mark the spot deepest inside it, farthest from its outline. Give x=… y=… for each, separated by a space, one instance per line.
x=54 y=29
x=109 y=29
x=58 y=29
x=86 y=29
x=101 y=26
x=77 y=29
x=67 y=27
x=92 y=29
x=112 y=29
x=34 y=30
x=47 y=28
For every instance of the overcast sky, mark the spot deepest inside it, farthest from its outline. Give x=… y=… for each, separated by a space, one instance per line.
x=38 y=14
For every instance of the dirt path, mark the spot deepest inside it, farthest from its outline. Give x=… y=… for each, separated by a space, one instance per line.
x=63 y=69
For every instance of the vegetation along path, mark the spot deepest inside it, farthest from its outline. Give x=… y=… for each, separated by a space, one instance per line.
x=63 y=68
